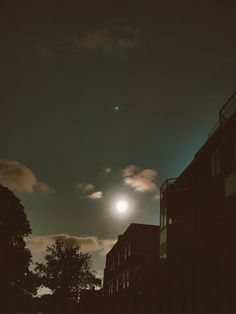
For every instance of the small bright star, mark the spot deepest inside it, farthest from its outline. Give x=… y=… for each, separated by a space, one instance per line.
x=117 y=108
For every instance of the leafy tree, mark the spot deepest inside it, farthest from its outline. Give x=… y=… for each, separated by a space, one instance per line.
x=66 y=270
x=16 y=281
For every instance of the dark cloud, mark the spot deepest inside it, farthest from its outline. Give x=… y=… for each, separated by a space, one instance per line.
x=19 y=178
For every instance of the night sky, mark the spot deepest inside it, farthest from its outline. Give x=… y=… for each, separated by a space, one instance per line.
x=102 y=103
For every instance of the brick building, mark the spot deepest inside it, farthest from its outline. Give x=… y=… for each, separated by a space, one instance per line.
x=131 y=283
x=197 y=227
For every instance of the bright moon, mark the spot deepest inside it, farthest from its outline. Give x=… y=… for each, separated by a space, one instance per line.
x=122 y=206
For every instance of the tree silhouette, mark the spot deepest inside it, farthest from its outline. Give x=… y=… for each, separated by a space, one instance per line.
x=66 y=270
x=16 y=281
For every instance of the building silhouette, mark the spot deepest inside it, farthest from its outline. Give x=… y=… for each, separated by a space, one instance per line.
x=90 y=301
x=197 y=227
x=131 y=282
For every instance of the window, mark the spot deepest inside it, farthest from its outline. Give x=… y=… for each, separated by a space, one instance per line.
x=125 y=279
x=125 y=252
x=118 y=259
x=215 y=162
x=163 y=236
x=163 y=250
x=117 y=284
x=230 y=184
x=129 y=249
x=112 y=265
x=163 y=217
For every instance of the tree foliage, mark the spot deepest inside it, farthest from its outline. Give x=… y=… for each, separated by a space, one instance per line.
x=66 y=270
x=16 y=280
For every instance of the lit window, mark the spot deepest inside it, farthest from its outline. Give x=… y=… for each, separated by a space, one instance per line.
x=125 y=279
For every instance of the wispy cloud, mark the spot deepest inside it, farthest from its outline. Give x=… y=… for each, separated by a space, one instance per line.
x=39 y=244
x=107 y=245
x=141 y=180
x=88 y=190
x=106 y=170
x=117 y=40
x=19 y=178
x=85 y=187
x=95 y=195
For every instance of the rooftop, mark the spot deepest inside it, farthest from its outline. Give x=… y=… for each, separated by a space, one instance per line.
x=133 y=227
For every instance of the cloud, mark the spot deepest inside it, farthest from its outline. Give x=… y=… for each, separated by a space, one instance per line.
x=114 y=40
x=88 y=191
x=39 y=243
x=129 y=171
x=118 y=40
x=140 y=180
x=106 y=170
x=19 y=178
x=107 y=245
x=95 y=195
x=85 y=187
x=157 y=196
x=100 y=274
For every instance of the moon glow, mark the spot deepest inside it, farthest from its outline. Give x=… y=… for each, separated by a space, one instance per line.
x=121 y=206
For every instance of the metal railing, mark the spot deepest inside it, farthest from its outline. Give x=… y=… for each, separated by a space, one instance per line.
x=166 y=186
x=225 y=113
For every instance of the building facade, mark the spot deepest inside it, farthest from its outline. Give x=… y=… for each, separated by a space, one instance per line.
x=197 y=227
x=90 y=302
x=131 y=273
